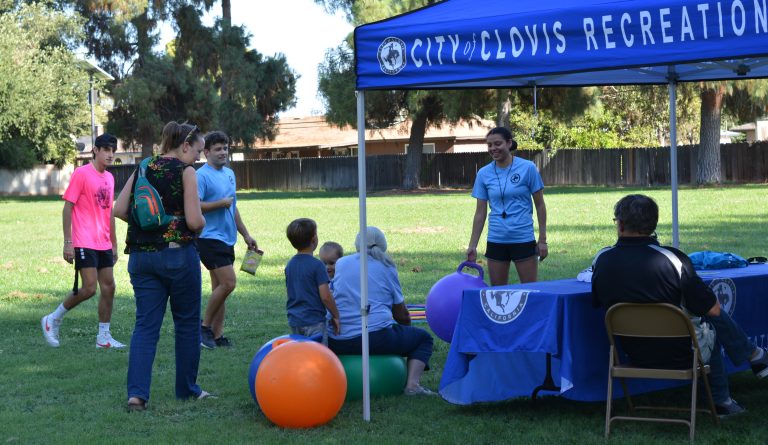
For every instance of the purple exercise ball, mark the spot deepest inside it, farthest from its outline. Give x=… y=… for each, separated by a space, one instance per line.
x=444 y=299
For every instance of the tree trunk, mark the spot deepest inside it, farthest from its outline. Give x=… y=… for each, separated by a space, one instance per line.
x=503 y=108
x=147 y=147
x=415 y=147
x=143 y=37
x=226 y=11
x=708 y=159
x=226 y=15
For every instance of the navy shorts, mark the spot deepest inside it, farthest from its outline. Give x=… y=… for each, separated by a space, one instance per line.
x=215 y=253
x=510 y=251
x=85 y=258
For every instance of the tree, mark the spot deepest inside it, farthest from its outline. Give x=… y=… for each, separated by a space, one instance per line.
x=43 y=92
x=385 y=108
x=747 y=101
x=252 y=89
x=207 y=75
x=708 y=160
x=744 y=99
x=121 y=35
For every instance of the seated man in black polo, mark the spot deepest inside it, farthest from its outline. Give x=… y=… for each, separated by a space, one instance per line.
x=638 y=270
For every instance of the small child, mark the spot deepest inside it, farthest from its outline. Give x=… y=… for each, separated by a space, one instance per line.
x=330 y=252
x=306 y=281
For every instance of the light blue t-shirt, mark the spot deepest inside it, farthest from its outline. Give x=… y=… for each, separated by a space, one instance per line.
x=213 y=185
x=383 y=292
x=517 y=183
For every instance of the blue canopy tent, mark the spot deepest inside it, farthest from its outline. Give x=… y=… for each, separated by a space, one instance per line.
x=527 y=43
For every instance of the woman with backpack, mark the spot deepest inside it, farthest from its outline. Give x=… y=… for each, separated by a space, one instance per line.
x=164 y=262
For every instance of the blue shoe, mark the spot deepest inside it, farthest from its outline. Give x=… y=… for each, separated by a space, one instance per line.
x=206 y=338
x=729 y=409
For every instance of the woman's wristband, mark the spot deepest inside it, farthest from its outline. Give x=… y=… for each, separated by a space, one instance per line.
x=67 y=241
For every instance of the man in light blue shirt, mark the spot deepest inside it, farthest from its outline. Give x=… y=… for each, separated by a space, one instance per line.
x=216 y=188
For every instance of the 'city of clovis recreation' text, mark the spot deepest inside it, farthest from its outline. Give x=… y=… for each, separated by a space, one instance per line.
x=610 y=31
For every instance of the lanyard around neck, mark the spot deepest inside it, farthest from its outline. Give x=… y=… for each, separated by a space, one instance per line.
x=504 y=189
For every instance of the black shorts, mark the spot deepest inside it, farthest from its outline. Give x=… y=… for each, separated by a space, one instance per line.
x=510 y=251
x=215 y=253
x=85 y=258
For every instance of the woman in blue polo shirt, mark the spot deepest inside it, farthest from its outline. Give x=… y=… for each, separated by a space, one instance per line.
x=506 y=185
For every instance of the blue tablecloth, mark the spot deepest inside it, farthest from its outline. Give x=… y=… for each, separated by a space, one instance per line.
x=501 y=339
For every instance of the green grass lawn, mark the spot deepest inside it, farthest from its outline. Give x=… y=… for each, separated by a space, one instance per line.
x=76 y=394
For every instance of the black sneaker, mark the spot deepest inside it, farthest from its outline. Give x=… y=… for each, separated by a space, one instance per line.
x=760 y=366
x=206 y=338
x=730 y=409
x=223 y=342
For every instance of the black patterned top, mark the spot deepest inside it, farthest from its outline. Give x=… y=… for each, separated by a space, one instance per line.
x=165 y=174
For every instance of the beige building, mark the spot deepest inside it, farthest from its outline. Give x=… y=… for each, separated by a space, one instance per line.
x=755 y=131
x=313 y=137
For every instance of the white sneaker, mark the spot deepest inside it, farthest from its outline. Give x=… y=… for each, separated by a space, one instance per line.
x=105 y=341
x=50 y=330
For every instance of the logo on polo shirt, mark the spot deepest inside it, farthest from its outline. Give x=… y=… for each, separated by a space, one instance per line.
x=391 y=55
x=515 y=178
x=503 y=306
x=725 y=290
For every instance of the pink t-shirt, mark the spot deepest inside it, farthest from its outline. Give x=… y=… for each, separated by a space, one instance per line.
x=92 y=195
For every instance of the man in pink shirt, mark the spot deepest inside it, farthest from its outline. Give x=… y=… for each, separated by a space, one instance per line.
x=89 y=241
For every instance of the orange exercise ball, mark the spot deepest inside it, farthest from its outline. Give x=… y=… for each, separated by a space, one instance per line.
x=300 y=385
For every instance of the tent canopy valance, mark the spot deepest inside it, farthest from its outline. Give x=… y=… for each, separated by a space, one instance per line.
x=504 y=44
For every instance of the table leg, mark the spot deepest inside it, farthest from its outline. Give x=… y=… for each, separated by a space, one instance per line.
x=549 y=383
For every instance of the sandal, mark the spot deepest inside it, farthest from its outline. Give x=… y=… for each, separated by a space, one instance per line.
x=418 y=391
x=205 y=395
x=136 y=404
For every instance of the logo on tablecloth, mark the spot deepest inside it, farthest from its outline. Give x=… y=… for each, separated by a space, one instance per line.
x=391 y=55
x=503 y=306
x=725 y=290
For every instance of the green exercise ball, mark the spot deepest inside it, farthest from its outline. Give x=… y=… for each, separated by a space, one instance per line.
x=387 y=375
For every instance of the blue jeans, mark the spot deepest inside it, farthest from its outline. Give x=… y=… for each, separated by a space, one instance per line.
x=156 y=276
x=406 y=341
x=733 y=339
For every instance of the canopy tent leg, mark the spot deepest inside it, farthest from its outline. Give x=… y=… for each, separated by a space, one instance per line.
x=361 y=186
x=673 y=152
x=535 y=110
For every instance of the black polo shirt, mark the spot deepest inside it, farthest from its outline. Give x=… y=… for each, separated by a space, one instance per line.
x=638 y=270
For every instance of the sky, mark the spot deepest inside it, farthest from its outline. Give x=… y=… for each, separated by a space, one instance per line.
x=299 y=29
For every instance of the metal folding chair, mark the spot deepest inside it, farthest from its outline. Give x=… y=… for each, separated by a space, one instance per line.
x=658 y=320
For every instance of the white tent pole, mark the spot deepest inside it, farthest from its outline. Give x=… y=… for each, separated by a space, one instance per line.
x=673 y=152
x=93 y=118
x=361 y=186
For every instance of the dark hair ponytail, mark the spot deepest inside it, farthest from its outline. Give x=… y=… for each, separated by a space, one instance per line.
x=175 y=134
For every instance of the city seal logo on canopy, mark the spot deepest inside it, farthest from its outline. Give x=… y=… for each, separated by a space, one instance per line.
x=503 y=306
x=725 y=290
x=391 y=55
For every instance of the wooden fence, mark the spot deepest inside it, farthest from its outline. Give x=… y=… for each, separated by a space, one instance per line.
x=741 y=163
